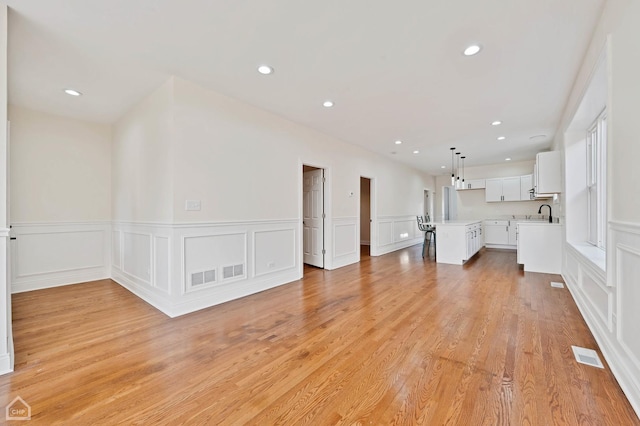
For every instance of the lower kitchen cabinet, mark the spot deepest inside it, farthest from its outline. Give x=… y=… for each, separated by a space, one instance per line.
x=458 y=241
x=540 y=247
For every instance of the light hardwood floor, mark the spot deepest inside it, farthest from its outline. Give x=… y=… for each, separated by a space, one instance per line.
x=392 y=340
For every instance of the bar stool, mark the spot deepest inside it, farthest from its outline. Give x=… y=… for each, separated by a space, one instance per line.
x=429 y=232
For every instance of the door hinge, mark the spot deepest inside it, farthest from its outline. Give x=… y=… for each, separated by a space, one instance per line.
x=324 y=251
x=323 y=215
x=323 y=179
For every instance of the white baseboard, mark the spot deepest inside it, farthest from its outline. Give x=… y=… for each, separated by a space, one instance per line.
x=48 y=281
x=5 y=364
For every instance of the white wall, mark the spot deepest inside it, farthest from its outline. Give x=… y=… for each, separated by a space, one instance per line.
x=60 y=168
x=607 y=292
x=60 y=200
x=6 y=340
x=471 y=204
x=142 y=166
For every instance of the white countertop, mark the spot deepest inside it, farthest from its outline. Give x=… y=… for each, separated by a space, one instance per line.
x=537 y=223
x=456 y=222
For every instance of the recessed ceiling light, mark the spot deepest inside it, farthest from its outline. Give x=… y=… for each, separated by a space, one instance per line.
x=416 y=152
x=496 y=123
x=501 y=138
x=327 y=104
x=443 y=167
x=507 y=159
x=72 y=92
x=472 y=50
x=398 y=142
x=265 y=69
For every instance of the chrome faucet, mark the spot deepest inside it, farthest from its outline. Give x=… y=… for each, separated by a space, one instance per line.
x=540 y=211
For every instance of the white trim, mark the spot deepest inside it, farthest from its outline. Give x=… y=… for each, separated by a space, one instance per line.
x=628 y=227
x=66 y=224
x=5 y=364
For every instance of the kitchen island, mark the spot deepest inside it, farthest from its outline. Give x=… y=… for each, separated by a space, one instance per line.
x=458 y=240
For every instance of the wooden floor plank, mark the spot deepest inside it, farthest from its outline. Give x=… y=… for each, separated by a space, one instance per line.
x=395 y=339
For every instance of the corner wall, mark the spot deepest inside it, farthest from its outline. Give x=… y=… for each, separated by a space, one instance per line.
x=60 y=200
x=609 y=297
x=243 y=165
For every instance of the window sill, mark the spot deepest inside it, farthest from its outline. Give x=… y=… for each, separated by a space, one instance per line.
x=593 y=254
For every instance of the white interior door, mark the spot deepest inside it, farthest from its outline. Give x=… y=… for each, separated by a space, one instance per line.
x=313 y=217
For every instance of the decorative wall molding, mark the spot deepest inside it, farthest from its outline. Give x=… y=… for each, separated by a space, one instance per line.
x=397 y=232
x=345 y=241
x=240 y=259
x=156 y=261
x=47 y=255
x=610 y=308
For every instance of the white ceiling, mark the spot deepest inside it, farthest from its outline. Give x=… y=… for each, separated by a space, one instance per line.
x=395 y=70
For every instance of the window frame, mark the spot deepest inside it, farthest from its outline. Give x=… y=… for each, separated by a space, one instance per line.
x=596 y=184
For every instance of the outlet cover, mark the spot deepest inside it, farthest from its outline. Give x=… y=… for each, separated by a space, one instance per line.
x=192 y=205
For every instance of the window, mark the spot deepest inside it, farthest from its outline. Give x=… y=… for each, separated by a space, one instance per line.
x=596 y=181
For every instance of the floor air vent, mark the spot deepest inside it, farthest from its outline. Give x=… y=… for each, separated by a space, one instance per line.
x=587 y=356
x=204 y=277
x=557 y=284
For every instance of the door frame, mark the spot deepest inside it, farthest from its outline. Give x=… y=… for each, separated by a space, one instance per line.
x=328 y=219
x=373 y=235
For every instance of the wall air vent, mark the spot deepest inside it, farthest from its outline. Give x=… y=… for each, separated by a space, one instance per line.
x=197 y=278
x=232 y=271
x=204 y=277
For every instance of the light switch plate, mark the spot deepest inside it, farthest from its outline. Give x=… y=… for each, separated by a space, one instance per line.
x=192 y=205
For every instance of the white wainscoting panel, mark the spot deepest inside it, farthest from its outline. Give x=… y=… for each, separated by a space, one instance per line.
x=274 y=250
x=137 y=251
x=46 y=255
x=144 y=262
x=161 y=262
x=346 y=246
x=116 y=249
x=397 y=232
x=610 y=309
x=385 y=232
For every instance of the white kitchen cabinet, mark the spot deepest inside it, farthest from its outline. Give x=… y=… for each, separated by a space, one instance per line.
x=502 y=189
x=473 y=184
x=540 y=247
x=526 y=186
x=496 y=232
x=548 y=173
x=458 y=241
x=513 y=233
x=493 y=190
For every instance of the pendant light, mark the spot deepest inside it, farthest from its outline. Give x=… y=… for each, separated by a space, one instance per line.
x=453 y=178
x=463 y=184
x=458 y=170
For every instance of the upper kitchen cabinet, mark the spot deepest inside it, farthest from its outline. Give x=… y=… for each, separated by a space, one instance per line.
x=502 y=189
x=526 y=187
x=472 y=184
x=547 y=177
